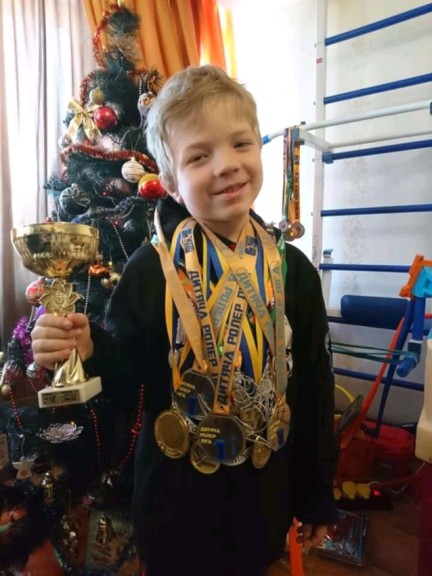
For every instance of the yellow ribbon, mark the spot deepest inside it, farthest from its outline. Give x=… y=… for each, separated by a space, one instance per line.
x=83 y=117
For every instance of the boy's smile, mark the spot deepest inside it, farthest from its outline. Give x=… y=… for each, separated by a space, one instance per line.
x=217 y=166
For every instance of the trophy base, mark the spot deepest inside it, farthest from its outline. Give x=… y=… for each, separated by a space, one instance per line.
x=76 y=394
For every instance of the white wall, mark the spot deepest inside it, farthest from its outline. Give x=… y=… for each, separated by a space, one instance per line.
x=277 y=61
x=275 y=51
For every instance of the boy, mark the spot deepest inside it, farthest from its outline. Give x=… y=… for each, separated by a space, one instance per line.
x=211 y=317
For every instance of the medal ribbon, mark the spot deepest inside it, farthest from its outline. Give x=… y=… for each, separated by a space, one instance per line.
x=221 y=297
x=194 y=274
x=252 y=344
x=295 y=151
x=233 y=300
x=237 y=322
x=253 y=297
x=184 y=306
x=291 y=177
x=274 y=334
x=231 y=345
x=220 y=304
x=273 y=258
x=287 y=174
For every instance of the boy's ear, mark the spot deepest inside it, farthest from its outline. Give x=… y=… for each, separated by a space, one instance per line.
x=169 y=187
x=177 y=197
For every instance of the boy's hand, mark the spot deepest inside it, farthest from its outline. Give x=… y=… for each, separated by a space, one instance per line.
x=310 y=535
x=53 y=338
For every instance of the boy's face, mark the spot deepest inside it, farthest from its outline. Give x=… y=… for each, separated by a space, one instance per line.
x=217 y=167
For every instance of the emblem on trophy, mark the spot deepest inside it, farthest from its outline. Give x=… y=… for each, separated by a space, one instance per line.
x=57 y=251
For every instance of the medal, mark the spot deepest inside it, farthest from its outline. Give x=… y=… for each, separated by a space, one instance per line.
x=172 y=434
x=251 y=416
x=266 y=385
x=240 y=458
x=195 y=386
x=287 y=333
x=221 y=437
x=200 y=460
x=173 y=357
x=261 y=453
x=279 y=425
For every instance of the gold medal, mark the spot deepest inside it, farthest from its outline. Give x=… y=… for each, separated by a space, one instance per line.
x=195 y=386
x=221 y=437
x=201 y=462
x=261 y=453
x=279 y=424
x=173 y=357
x=172 y=434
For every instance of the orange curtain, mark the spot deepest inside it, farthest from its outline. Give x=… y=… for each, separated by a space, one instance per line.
x=176 y=33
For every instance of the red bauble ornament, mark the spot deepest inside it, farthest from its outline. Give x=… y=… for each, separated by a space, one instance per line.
x=151 y=190
x=105 y=118
x=34 y=291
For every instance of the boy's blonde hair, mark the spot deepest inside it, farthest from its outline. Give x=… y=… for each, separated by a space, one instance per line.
x=187 y=94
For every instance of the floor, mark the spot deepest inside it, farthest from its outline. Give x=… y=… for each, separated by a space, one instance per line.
x=391 y=546
x=391 y=549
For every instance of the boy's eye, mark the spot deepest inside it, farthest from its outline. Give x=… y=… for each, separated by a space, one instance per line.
x=196 y=158
x=242 y=143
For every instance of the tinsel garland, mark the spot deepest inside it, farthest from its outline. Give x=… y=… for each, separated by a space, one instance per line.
x=21 y=333
x=85 y=87
x=92 y=152
x=116 y=22
x=19 y=355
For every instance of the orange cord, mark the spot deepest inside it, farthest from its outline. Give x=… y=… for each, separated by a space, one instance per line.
x=295 y=551
x=352 y=430
x=348 y=434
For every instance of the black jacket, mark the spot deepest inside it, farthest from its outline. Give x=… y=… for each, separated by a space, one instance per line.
x=297 y=480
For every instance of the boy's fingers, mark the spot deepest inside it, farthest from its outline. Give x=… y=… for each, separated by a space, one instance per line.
x=77 y=319
x=53 y=321
x=49 y=333
x=50 y=359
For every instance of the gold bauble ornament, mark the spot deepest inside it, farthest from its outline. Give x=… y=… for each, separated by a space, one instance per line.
x=97 y=96
x=5 y=390
x=111 y=282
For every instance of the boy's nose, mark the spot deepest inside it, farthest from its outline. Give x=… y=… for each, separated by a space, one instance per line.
x=225 y=163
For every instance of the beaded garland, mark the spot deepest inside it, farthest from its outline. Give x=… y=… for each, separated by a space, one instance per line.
x=22 y=334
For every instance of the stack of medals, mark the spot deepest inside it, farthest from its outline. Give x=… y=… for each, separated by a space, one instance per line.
x=219 y=415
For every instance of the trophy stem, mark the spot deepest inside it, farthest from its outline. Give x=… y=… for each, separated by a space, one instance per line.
x=70 y=372
x=59 y=298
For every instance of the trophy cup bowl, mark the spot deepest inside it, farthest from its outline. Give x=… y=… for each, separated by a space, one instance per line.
x=57 y=251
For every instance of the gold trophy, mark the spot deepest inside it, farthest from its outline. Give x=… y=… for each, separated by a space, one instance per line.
x=56 y=251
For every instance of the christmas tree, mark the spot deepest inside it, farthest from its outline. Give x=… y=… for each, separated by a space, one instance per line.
x=53 y=461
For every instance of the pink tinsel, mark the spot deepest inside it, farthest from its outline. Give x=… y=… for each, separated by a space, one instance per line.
x=22 y=334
